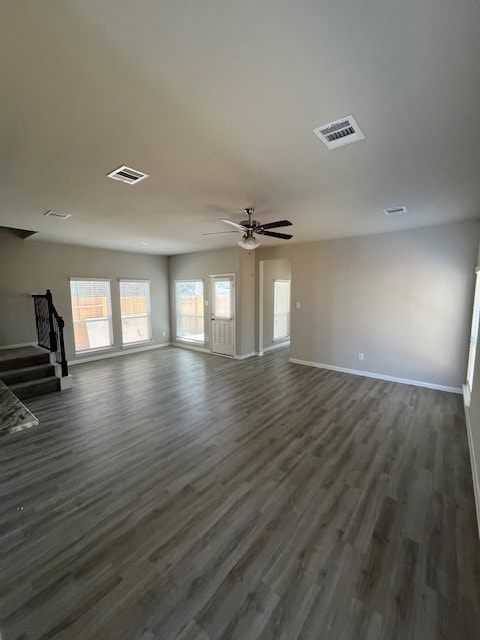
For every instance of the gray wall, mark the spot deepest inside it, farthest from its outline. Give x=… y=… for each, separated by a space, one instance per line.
x=28 y=267
x=202 y=265
x=404 y=299
x=272 y=270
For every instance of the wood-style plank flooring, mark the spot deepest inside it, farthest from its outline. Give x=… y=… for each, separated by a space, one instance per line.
x=174 y=494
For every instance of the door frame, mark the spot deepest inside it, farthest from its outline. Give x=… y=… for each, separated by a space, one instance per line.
x=260 y=300
x=211 y=277
x=260 y=307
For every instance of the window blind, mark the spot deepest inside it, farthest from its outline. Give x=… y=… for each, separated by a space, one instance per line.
x=222 y=301
x=189 y=310
x=281 y=309
x=92 y=314
x=135 y=311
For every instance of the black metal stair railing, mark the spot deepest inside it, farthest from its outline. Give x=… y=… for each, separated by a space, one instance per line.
x=50 y=327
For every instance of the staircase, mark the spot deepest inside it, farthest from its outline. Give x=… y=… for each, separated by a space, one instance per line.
x=27 y=372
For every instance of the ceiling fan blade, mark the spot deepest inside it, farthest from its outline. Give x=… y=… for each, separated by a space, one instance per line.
x=274 y=225
x=273 y=234
x=234 y=224
x=214 y=233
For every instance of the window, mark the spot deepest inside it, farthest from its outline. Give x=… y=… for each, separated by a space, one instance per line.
x=474 y=335
x=222 y=297
x=92 y=314
x=189 y=310
x=281 y=309
x=135 y=311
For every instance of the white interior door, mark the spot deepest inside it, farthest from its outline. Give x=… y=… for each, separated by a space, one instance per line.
x=223 y=315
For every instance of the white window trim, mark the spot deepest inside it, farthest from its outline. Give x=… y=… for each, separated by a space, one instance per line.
x=126 y=345
x=110 y=347
x=180 y=338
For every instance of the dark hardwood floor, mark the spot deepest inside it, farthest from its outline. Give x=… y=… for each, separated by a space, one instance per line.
x=174 y=494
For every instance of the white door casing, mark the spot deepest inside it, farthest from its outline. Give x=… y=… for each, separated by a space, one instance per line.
x=222 y=293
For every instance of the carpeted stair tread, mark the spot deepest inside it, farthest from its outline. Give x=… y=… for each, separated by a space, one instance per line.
x=24 y=374
x=22 y=357
x=38 y=387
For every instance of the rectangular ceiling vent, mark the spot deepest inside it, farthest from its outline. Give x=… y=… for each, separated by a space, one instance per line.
x=128 y=175
x=339 y=133
x=57 y=214
x=395 y=211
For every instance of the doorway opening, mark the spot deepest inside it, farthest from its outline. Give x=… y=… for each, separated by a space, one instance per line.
x=274 y=305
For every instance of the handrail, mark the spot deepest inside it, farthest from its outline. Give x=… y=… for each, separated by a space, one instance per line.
x=50 y=326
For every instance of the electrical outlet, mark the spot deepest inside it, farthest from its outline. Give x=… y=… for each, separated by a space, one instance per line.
x=297 y=305
x=360 y=356
x=164 y=334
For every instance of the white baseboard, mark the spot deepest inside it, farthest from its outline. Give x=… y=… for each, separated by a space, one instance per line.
x=377 y=376
x=114 y=354
x=17 y=346
x=473 y=464
x=192 y=347
x=247 y=355
x=277 y=345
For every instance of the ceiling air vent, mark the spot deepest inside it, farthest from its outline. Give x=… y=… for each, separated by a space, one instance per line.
x=394 y=211
x=128 y=175
x=339 y=133
x=57 y=214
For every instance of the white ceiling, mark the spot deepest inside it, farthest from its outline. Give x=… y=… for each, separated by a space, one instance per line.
x=217 y=99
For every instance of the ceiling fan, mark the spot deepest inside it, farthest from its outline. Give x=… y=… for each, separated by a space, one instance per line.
x=251 y=227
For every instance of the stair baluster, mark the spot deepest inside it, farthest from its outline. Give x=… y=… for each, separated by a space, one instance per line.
x=50 y=326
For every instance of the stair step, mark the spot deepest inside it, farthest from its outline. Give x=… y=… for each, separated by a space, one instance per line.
x=22 y=357
x=35 y=387
x=25 y=374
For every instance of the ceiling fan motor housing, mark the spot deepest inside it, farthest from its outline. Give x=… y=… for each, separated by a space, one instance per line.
x=249 y=223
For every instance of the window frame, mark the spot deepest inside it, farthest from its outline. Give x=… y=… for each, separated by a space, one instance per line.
x=285 y=337
x=148 y=315
x=109 y=315
x=177 y=316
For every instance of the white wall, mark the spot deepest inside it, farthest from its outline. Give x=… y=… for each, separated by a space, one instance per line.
x=403 y=298
x=28 y=267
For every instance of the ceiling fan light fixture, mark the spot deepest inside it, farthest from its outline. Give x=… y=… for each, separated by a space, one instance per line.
x=248 y=242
